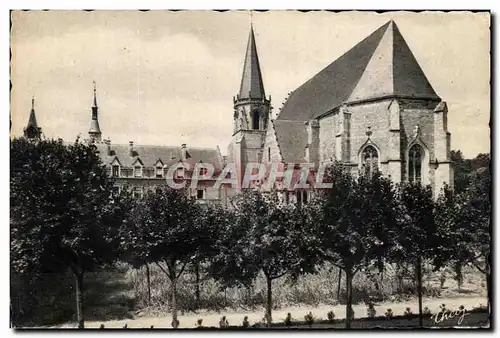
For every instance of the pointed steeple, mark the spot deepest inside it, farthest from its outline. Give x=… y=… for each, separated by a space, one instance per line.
x=252 y=86
x=32 y=131
x=95 y=130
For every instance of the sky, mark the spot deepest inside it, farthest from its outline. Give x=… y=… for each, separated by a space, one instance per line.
x=167 y=78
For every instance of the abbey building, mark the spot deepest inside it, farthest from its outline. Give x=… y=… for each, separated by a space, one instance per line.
x=372 y=108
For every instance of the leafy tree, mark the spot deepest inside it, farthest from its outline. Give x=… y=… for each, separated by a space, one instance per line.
x=463 y=168
x=478 y=207
x=355 y=223
x=165 y=227
x=265 y=238
x=63 y=212
x=416 y=236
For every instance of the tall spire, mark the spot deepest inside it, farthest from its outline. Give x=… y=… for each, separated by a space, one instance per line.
x=32 y=131
x=252 y=86
x=95 y=130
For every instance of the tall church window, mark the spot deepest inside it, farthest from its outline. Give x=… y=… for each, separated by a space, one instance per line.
x=255 y=120
x=415 y=163
x=269 y=154
x=369 y=159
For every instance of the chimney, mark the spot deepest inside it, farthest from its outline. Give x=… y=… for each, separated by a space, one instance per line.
x=131 y=148
x=184 y=151
x=108 y=146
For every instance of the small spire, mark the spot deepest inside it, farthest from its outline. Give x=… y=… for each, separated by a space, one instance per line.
x=33 y=102
x=95 y=96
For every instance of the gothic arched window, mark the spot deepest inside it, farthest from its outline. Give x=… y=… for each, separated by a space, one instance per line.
x=255 y=120
x=415 y=163
x=369 y=158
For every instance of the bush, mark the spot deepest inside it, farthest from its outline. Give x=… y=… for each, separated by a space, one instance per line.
x=371 y=312
x=408 y=312
x=288 y=319
x=426 y=311
x=389 y=314
x=309 y=318
x=331 y=316
x=245 y=323
x=223 y=322
x=199 y=322
x=175 y=323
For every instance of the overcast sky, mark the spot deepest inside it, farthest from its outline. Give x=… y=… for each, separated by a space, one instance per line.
x=168 y=78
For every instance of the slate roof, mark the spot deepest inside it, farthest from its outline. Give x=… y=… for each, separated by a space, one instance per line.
x=252 y=85
x=32 y=119
x=292 y=140
x=149 y=155
x=380 y=65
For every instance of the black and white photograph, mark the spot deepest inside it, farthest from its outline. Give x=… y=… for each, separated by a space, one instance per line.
x=246 y=170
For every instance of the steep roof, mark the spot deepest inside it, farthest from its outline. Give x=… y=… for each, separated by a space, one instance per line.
x=252 y=85
x=380 y=65
x=292 y=140
x=32 y=119
x=149 y=155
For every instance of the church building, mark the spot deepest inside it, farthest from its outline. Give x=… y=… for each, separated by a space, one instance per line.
x=371 y=109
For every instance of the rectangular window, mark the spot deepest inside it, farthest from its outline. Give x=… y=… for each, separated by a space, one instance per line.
x=287 y=198
x=200 y=194
x=116 y=190
x=203 y=171
x=304 y=198
x=159 y=172
x=137 y=171
x=116 y=171
x=179 y=173
x=299 y=196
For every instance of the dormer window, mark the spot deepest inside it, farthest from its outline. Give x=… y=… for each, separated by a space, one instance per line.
x=200 y=194
x=137 y=171
x=159 y=172
x=179 y=173
x=115 y=170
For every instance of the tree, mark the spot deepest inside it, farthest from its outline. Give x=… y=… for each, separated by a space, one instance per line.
x=166 y=228
x=265 y=238
x=416 y=236
x=356 y=223
x=63 y=212
x=478 y=207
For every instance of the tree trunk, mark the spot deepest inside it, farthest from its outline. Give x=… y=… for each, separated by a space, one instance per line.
x=338 y=286
x=418 y=268
x=348 y=282
x=79 y=298
x=174 y=301
x=148 y=279
x=197 y=290
x=269 y=304
x=458 y=275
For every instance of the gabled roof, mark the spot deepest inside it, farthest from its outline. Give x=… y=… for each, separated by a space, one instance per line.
x=252 y=85
x=380 y=65
x=149 y=155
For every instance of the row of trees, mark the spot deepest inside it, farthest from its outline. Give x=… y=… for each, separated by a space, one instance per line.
x=64 y=216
